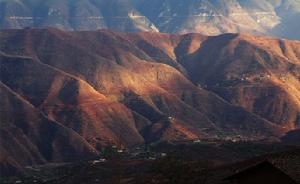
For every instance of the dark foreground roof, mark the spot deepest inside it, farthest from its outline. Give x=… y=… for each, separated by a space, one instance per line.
x=261 y=172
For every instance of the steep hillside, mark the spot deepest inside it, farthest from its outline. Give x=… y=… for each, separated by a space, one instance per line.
x=70 y=101
x=94 y=89
x=164 y=104
x=258 y=73
x=30 y=138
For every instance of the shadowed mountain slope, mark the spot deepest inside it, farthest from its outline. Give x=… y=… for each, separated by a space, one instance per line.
x=29 y=138
x=128 y=89
x=127 y=71
x=258 y=73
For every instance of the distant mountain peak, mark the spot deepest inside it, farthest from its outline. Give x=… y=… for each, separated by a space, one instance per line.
x=277 y=18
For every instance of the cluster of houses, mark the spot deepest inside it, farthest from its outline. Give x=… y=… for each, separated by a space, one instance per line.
x=139 y=152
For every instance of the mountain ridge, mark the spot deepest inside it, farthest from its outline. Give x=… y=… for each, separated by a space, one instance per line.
x=277 y=18
x=126 y=89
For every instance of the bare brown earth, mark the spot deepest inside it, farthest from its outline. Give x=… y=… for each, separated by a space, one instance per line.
x=258 y=73
x=127 y=89
x=29 y=138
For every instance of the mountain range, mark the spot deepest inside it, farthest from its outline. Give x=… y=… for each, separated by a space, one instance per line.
x=66 y=95
x=210 y=17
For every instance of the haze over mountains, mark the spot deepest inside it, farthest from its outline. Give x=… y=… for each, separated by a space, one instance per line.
x=97 y=88
x=210 y=17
